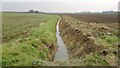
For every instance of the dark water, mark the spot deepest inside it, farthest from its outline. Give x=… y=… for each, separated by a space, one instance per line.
x=61 y=54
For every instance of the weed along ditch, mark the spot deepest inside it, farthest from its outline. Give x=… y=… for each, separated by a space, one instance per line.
x=61 y=54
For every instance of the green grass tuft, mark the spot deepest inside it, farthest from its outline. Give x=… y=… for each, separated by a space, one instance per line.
x=95 y=60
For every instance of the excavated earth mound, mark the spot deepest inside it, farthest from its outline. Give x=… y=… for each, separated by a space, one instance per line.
x=88 y=40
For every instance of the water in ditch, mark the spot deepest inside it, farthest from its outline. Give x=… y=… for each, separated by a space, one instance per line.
x=61 y=54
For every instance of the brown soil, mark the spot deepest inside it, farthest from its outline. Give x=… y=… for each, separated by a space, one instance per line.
x=110 y=20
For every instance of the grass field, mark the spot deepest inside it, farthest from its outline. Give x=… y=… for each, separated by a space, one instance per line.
x=25 y=22
x=27 y=38
x=30 y=39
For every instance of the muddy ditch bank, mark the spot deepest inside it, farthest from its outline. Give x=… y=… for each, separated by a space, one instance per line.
x=80 y=43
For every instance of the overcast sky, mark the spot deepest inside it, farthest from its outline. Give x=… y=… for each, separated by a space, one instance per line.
x=60 y=5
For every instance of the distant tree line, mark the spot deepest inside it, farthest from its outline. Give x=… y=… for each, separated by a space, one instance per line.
x=83 y=12
x=35 y=11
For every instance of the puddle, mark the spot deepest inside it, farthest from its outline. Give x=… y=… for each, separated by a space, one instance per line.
x=61 y=54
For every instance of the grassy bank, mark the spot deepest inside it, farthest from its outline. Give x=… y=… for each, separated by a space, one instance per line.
x=28 y=39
